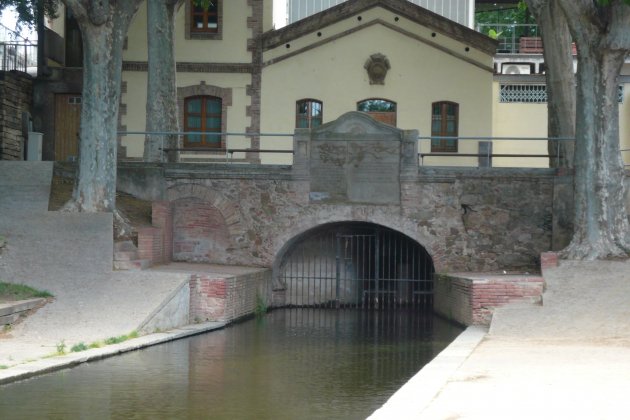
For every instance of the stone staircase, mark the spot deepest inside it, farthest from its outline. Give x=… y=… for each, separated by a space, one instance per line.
x=126 y=257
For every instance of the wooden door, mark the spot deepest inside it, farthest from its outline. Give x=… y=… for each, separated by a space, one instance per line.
x=67 y=125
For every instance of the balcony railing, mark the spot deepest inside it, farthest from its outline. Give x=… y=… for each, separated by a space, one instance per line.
x=518 y=38
x=20 y=56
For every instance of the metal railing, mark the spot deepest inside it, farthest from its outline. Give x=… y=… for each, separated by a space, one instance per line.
x=18 y=56
x=489 y=151
x=514 y=38
x=17 y=52
x=488 y=154
x=226 y=152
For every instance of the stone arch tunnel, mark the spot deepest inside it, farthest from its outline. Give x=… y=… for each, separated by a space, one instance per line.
x=353 y=264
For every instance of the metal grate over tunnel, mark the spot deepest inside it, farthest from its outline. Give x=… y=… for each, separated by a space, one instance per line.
x=357 y=265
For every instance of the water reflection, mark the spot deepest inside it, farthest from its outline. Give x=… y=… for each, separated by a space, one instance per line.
x=292 y=364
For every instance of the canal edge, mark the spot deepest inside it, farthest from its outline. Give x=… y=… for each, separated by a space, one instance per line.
x=415 y=396
x=52 y=364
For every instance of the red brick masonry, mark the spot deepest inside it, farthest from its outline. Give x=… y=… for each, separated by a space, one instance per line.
x=471 y=299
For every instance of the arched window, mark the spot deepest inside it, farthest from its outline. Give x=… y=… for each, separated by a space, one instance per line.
x=381 y=110
x=202 y=114
x=308 y=113
x=444 y=123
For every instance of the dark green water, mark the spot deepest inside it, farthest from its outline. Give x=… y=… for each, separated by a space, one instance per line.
x=292 y=364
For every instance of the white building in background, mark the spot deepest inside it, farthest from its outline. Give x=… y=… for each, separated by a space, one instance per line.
x=290 y=11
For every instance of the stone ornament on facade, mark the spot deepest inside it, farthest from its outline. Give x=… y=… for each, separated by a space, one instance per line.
x=377 y=66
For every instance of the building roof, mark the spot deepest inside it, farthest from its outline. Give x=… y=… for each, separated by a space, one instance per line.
x=417 y=14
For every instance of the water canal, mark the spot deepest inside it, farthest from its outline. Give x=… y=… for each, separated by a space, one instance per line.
x=290 y=364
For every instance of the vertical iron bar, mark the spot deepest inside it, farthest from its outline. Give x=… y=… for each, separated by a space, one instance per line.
x=377 y=265
x=338 y=268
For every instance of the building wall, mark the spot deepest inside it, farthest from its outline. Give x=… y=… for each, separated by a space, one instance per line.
x=514 y=119
x=333 y=72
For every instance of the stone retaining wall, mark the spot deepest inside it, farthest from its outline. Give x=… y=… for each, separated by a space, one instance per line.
x=15 y=98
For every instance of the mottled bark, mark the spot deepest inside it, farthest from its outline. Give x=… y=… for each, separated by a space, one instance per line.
x=559 y=77
x=601 y=228
x=103 y=27
x=161 y=86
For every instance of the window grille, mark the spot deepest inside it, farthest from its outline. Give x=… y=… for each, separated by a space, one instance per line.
x=534 y=94
x=526 y=93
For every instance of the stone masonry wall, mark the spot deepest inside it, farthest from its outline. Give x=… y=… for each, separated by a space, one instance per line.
x=467 y=221
x=15 y=98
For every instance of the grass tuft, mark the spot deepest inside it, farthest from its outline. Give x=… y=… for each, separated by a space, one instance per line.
x=79 y=347
x=13 y=291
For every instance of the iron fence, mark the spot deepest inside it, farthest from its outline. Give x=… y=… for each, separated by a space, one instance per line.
x=516 y=38
x=20 y=56
x=357 y=266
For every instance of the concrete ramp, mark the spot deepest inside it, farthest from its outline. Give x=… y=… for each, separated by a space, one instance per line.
x=583 y=299
x=24 y=186
x=70 y=255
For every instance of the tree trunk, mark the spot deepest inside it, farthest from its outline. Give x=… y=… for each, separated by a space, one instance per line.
x=103 y=27
x=601 y=228
x=560 y=79
x=161 y=86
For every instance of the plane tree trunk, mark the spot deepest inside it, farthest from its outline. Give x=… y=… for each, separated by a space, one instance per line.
x=560 y=79
x=103 y=27
x=601 y=228
x=161 y=85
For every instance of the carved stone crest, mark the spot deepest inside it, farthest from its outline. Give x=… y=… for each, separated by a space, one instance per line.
x=377 y=66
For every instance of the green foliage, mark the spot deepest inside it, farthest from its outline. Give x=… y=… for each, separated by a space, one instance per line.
x=4 y=367
x=203 y=3
x=27 y=10
x=494 y=34
x=121 y=338
x=95 y=345
x=61 y=347
x=79 y=347
x=13 y=291
x=261 y=307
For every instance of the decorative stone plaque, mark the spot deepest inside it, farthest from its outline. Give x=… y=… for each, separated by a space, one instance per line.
x=355 y=159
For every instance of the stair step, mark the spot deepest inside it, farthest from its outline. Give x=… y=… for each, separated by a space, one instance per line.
x=132 y=265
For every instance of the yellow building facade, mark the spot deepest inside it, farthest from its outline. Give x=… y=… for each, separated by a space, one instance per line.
x=253 y=84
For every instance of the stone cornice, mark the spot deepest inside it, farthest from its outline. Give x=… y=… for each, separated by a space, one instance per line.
x=188 y=67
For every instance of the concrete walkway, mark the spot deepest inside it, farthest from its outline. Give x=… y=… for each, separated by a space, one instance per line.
x=70 y=255
x=569 y=359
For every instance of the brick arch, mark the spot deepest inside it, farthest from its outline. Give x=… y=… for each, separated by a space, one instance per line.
x=228 y=209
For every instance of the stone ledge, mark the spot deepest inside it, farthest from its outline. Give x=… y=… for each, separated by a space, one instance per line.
x=7 y=309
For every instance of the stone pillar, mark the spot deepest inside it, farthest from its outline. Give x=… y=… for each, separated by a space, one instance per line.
x=409 y=156
x=301 y=146
x=162 y=215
